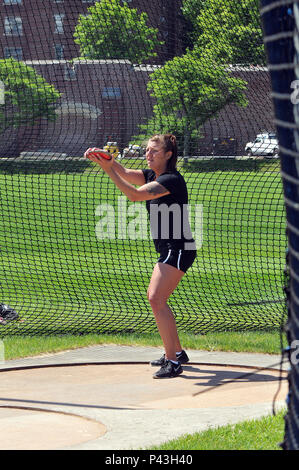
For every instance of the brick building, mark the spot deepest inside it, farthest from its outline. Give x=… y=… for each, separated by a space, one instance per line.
x=44 y=29
x=107 y=99
x=102 y=100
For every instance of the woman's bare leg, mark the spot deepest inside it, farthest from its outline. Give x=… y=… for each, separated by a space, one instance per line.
x=164 y=280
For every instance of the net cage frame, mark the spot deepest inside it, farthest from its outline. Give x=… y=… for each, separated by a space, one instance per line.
x=281 y=33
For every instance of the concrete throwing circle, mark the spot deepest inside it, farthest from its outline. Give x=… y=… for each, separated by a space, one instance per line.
x=75 y=389
x=31 y=429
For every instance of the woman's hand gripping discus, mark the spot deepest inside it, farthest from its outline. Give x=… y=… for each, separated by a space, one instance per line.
x=99 y=156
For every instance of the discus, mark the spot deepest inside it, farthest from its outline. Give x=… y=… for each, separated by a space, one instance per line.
x=99 y=153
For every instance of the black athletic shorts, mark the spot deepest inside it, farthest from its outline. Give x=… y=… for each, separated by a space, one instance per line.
x=180 y=259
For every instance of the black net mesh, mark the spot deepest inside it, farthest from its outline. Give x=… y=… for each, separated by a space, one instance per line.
x=75 y=255
x=281 y=25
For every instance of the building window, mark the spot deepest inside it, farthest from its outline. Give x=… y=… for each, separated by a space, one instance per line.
x=12 y=2
x=14 y=52
x=111 y=93
x=58 y=18
x=59 y=51
x=70 y=72
x=13 y=26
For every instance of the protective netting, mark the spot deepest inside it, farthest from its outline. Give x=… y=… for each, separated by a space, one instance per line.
x=281 y=24
x=76 y=256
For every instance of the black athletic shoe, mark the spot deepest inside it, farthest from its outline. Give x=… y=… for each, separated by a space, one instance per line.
x=168 y=370
x=7 y=314
x=182 y=358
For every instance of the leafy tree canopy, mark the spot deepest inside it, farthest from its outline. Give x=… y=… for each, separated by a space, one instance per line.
x=27 y=95
x=112 y=30
x=190 y=90
x=231 y=29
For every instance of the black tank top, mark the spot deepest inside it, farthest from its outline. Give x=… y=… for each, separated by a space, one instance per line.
x=169 y=218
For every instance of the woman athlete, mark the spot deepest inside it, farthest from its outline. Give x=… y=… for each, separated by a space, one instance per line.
x=165 y=192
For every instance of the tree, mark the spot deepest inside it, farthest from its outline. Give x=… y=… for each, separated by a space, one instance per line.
x=231 y=29
x=27 y=95
x=189 y=90
x=193 y=88
x=115 y=31
x=190 y=12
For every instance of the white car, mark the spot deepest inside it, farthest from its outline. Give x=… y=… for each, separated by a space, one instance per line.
x=264 y=144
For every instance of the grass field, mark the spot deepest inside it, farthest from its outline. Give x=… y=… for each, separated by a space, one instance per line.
x=63 y=279
x=266 y=433
x=79 y=290
x=16 y=347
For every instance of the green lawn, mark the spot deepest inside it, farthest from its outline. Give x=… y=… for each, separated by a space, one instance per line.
x=79 y=290
x=247 y=341
x=266 y=433
x=63 y=279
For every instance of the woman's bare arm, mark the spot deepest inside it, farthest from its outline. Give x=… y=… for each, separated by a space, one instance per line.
x=146 y=192
x=124 y=180
x=131 y=176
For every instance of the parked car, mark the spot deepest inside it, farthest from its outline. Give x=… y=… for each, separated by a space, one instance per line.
x=133 y=151
x=264 y=144
x=112 y=148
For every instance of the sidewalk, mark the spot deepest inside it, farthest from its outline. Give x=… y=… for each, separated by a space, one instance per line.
x=104 y=397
